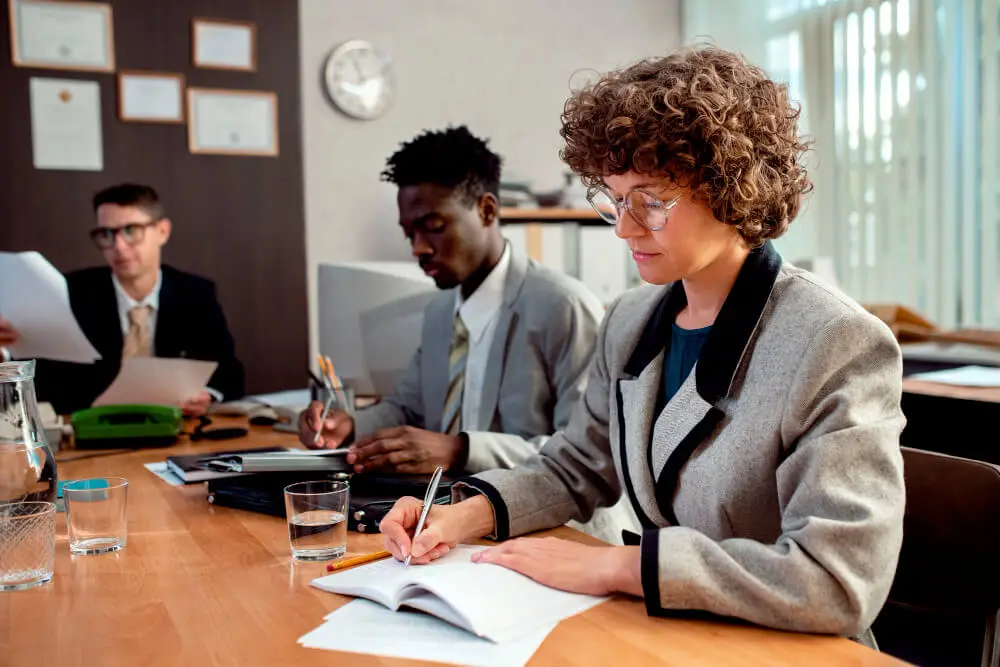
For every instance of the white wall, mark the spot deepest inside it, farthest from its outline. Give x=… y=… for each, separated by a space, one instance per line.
x=503 y=69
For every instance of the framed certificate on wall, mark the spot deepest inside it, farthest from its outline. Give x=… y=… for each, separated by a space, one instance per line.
x=62 y=35
x=232 y=122
x=150 y=97
x=224 y=44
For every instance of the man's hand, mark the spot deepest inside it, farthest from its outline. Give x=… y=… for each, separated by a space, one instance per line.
x=406 y=449
x=570 y=566
x=197 y=405
x=338 y=426
x=8 y=334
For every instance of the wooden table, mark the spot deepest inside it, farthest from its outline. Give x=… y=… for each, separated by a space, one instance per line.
x=200 y=585
x=984 y=394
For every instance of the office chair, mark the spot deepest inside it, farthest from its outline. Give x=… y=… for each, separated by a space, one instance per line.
x=944 y=606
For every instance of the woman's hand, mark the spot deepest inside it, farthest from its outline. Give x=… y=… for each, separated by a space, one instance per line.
x=570 y=566
x=446 y=526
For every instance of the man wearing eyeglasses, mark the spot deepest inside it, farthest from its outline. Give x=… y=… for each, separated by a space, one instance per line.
x=135 y=306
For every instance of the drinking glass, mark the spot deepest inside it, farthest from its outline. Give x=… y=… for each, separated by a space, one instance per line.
x=27 y=544
x=317 y=519
x=96 y=514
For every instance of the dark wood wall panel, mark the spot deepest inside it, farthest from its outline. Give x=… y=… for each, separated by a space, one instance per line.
x=237 y=220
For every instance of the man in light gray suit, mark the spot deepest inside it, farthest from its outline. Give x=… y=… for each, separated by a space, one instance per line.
x=505 y=346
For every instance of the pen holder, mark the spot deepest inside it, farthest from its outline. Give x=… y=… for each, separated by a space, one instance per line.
x=347 y=393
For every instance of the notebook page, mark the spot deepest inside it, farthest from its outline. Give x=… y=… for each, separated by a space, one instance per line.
x=431 y=604
x=501 y=604
x=385 y=581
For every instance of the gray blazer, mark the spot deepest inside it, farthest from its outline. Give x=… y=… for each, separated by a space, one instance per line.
x=535 y=374
x=770 y=487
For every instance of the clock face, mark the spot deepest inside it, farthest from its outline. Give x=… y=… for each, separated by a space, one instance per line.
x=359 y=80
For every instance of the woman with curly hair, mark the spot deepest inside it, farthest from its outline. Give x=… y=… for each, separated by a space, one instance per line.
x=749 y=412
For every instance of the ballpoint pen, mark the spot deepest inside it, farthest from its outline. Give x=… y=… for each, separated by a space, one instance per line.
x=322 y=419
x=428 y=503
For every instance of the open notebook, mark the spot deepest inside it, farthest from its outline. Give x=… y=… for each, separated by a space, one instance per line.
x=487 y=600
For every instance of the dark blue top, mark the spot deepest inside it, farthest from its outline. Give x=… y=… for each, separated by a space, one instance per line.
x=685 y=348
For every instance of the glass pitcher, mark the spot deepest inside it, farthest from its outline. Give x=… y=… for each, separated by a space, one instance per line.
x=27 y=467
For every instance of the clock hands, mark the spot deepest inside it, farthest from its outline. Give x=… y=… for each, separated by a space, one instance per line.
x=357 y=68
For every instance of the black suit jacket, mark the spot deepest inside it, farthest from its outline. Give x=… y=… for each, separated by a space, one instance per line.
x=189 y=323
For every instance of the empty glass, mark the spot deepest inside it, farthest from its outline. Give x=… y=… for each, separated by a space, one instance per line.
x=317 y=519
x=96 y=513
x=27 y=544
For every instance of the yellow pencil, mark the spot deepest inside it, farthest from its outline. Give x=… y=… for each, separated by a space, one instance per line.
x=357 y=560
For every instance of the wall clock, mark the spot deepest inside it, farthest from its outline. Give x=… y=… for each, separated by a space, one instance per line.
x=359 y=79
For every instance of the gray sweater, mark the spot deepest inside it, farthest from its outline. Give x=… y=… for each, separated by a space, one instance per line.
x=770 y=487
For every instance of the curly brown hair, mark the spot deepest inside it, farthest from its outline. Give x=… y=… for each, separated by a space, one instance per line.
x=705 y=119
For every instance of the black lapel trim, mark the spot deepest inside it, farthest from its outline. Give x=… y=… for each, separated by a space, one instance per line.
x=656 y=336
x=736 y=322
x=730 y=333
x=623 y=457
x=666 y=485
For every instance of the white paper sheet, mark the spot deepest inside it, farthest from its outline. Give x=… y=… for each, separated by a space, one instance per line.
x=162 y=470
x=366 y=627
x=35 y=299
x=965 y=376
x=157 y=381
x=66 y=124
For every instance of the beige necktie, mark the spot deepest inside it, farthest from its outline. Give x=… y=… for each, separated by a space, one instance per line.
x=138 y=342
x=451 y=420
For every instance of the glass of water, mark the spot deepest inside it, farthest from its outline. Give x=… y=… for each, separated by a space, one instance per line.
x=317 y=519
x=27 y=544
x=96 y=514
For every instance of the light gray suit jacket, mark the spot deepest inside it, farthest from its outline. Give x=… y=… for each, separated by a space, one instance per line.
x=770 y=487
x=535 y=374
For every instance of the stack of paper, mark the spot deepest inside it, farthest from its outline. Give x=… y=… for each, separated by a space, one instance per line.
x=476 y=613
x=366 y=627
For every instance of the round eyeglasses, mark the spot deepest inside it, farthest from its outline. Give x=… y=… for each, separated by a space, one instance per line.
x=645 y=208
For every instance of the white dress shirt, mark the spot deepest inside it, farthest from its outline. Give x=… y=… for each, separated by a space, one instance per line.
x=127 y=303
x=480 y=313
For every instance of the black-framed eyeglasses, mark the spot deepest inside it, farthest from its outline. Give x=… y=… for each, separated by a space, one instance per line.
x=646 y=208
x=133 y=232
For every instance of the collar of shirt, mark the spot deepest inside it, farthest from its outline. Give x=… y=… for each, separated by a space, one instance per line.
x=127 y=303
x=477 y=311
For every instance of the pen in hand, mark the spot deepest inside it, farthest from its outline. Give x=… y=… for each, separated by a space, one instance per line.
x=428 y=503
x=322 y=419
